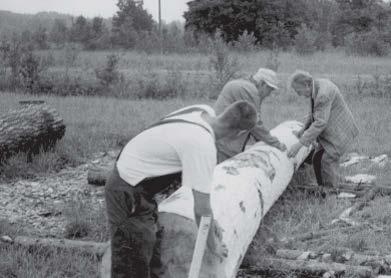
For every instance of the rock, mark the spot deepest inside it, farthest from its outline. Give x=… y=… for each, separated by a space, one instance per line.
x=329 y=274
x=361 y=178
x=345 y=195
x=6 y=239
x=380 y=160
x=353 y=158
x=326 y=258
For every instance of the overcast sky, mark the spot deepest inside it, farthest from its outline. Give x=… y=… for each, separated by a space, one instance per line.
x=171 y=9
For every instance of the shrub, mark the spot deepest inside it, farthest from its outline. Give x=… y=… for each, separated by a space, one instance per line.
x=370 y=43
x=152 y=85
x=31 y=69
x=379 y=85
x=78 y=222
x=246 y=42
x=148 y=42
x=305 y=41
x=11 y=52
x=70 y=55
x=224 y=66
x=109 y=74
x=273 y=61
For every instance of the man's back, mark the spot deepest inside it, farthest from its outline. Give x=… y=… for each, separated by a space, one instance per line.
x=170 y=148
x=235 y=90
x=341 y=128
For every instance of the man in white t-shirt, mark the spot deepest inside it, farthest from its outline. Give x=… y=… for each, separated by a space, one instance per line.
x=180 y=146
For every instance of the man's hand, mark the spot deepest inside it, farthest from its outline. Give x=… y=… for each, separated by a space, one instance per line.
x=298 y=133
x=281 y=146
x=218 y=249
x=294 y=149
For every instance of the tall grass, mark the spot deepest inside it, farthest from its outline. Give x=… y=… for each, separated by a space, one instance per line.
x=97 y=124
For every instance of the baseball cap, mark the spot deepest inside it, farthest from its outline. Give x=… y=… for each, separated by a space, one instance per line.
x=268 y=76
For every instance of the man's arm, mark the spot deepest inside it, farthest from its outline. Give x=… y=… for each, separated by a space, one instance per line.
x=321 y=115
x=233 y=92
x=198 y=159
x=261 y=133
x=202 y=208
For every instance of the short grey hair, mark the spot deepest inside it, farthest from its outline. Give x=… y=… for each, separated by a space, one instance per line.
x=300 y=76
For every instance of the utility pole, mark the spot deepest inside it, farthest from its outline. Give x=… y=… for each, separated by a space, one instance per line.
x=160 y=27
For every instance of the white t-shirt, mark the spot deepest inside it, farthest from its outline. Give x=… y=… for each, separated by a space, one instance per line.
x=172 y=148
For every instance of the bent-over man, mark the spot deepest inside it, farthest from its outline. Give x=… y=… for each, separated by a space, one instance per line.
x=180 y=146
x=254 y=90
x=331 y=125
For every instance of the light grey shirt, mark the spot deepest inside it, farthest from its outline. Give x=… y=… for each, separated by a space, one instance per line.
x=239 y=90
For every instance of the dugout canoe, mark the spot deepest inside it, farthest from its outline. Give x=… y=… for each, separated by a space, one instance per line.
x=244 y=188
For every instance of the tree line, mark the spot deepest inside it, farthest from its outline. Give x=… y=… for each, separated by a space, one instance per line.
x=308 y=25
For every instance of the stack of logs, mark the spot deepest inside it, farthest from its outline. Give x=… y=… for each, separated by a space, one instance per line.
x=302 y=263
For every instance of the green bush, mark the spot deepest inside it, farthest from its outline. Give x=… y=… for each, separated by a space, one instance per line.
x=246 y=42
x=304 y=42
x=305 y=39
x=109 y=74
x=223 y=65
x=154 y=86
x=273 y=60
x=31 y=69
x=367 y=44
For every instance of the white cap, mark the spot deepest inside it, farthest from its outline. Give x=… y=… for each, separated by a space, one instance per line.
x=268 y=76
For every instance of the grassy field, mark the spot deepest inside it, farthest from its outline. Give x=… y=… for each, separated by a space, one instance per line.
x=98 y=124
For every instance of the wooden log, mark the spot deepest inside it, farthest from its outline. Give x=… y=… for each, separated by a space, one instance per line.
x=34 y=101
x=29 y=129
x=89 y=247
x=295 y=254
x=349 y=256
x=319 y=234
x=308 y=268
x=243 y=189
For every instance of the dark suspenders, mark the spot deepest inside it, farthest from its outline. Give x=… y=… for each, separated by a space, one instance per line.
x=167 y=120
x=246 y=141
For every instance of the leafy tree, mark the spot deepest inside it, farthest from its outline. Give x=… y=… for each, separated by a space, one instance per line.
x=40 y=37
x=97 y=26
x=130 y=20
x=271 y=21
x=59 y=32
x=26 y=37
x=99 y=35
x=80 y=30
x=359 y=16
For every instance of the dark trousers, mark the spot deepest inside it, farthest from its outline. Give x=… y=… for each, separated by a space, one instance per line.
x=132 y=216
x=325 y=166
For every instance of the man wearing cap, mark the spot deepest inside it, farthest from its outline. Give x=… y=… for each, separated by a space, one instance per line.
x=254 y=90
x=180 y=146
x=331 y=126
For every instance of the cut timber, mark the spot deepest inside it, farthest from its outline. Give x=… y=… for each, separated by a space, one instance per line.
x=348 y=257
x=29 y=129
x=319 y=234
x=309 y=268
x=88 y=247
x=200 y=246
x=243 y=190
